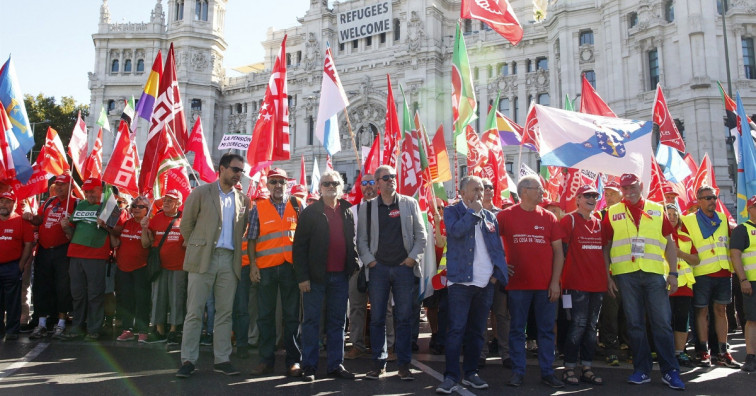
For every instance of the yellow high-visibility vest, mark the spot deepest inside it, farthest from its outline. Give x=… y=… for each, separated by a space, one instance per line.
x=648 y=235
x=713 y=251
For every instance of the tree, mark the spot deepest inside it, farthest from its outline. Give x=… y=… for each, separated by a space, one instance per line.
x=62 y=117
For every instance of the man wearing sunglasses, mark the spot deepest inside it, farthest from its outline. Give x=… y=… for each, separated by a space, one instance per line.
x=272 y=223
x=710 y=235
x=637 y=237
x=391 y=241
x=214 y=221
x=325 y=257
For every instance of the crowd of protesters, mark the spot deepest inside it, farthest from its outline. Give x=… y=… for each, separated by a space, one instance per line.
x=299 y=270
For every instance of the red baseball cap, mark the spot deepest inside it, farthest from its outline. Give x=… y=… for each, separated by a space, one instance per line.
x=277 y=172
x=667 y=189
x=299 y=190
x=628 y=179
x=751 y=201
x=314 y=196
x=174 y=193
x=12 y=196
x=612 y=185
x=91 y=184
x=506 y=202
x=586 y=189
x=63 y=179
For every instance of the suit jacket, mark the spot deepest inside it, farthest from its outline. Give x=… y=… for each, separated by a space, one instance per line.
x=201 y=227
x=413 y=230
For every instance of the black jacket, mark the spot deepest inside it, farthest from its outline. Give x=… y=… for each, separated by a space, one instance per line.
x=311 y=238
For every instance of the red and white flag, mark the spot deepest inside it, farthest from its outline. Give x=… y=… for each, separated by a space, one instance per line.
x=52 y=157
x=409 y=174
x=121 y=170
x=669 y=135
x=498 y=14
x=93 y=166
x=495 y=168
x=203 y=163
x=531 y=135
x=329 y=163
x=270 y=137
x=302 y=173
x=591 y=102
x=477 y=152
x=77 y=147
x=7 y=167
x=392 y=133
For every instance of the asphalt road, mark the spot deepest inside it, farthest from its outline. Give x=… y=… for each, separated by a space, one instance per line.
x=48 y=367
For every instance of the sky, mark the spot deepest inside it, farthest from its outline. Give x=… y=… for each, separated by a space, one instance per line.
x=51 y=40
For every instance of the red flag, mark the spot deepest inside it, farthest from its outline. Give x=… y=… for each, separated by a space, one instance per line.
x=441 y=156
x=656 y=189
x=93 y=166
x=329 y=163
x=668 y=133
x=52 y=157
x=409 y=175
x=202 y=162
x=373 y=159
x=530 y=134
x=704 y=176
x=498 y=14
x=7 y=168
x=303 y=173
x=559 y=179
x=77 y=147
x=392 y=133
x=477 y=152
x=591 y=102
x=270 y=137
x=37 y=183
x=355 y=195
x=495 y=168
x=121 y=170
x=168 y=112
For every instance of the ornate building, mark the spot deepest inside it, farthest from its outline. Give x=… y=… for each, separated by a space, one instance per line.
x=623 y=46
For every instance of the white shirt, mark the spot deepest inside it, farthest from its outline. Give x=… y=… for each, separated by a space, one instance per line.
x=482 y=265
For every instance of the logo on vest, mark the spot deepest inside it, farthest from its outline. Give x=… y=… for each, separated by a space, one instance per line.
x=652 y=212
x=394 y=213
x=618 y=217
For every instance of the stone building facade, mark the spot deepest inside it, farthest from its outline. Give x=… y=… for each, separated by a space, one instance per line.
x=623 y=46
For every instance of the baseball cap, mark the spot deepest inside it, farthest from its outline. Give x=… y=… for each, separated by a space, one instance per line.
x=506 y=202
x=751 y=201
x=628 y=179
x=63 y=179
x=91 y=184
x=12 y=196
x=174 y=193
x=314 y=196
x=299 y=190
x=612 y=185
x=669 y=190
x=277 y=172
x=586 y=189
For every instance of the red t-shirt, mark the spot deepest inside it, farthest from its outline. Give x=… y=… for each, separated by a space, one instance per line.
x=527 y=240
x=635 y=211
x=336 y=245
x=584 y=267
x=130 y=254
x=50 y=232
x=14 y=233
x=173 y=250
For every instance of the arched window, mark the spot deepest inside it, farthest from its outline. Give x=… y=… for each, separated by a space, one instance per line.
x=653 y=68
x=111 y=105
x=544 y=99
x=590 y=75
x=140 y=65
x=514 y=67
x=179 y=10
x=239 y=108
x=516 y=110
x=504 y=106
x=115 y=66
x=468 y=26
x=197 y=104
x=200 y=10
x=542 y=63
x=504 y=69
x=127 y=66
x=310 y=131
x=669 y=11
x=586 y=37
x=397 y=29
x=632 y=19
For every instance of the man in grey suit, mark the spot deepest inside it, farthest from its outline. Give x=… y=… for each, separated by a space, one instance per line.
x=215 y=219
x=391 y=240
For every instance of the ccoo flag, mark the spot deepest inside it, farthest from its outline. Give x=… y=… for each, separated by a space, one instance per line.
x=332 y=100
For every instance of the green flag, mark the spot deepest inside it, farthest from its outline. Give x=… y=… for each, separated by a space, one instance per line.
x=568 y=105
x=103 y=120
x=464 y=104
x=491 y=120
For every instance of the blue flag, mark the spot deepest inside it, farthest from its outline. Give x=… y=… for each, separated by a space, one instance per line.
x=675 y=168
x=13 y=101
x=746 y=162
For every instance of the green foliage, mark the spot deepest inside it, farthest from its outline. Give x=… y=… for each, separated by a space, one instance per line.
x=60 y=116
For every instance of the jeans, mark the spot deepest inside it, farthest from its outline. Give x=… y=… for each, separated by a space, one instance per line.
x=400 y=281
x=133 y=299
x=273 y=279
x=644 y=294
x=467 y=323
x=545 y=315
x=581 y=333
x=10 y=297
x=334 y=293
x=240 y=319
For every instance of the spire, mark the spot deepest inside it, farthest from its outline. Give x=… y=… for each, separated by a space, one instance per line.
x=158 y=16
x=104 y=12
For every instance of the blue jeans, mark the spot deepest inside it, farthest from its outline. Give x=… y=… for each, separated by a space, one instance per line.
x=467 y=323
x=545 y=315
x=335 y=293
x=240 y=318
x=271 y=280
x=400 y=281
x=581 y=334
x=644 y=294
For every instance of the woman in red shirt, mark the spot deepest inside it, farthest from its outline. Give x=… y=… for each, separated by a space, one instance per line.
x=132 y=280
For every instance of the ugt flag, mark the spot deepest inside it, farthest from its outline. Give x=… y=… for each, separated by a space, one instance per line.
x=332 y=100
x=601 y=144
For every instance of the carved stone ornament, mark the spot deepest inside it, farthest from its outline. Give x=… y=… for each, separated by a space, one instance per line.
x=199 y=61
x=415 y=32
x=104 y=12
x=746 y=5
x=236 y=122
x=312 y=52
x=542 y=80
x=586 y=54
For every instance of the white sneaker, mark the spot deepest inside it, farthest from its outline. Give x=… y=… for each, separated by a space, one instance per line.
x=58 y=333
x=39 y=332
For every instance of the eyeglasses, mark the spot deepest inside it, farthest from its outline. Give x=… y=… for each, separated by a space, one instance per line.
x=368 y=182
x=591 y=195
x=709 y=198
x=236 y=169
x=330 y=183
x=488 y=187
x=388 y=177
x=135 y=206
x=277 y=181
x=440 y=208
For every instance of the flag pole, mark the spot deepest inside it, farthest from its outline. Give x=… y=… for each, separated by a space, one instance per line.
x=519 y=163
x=351 y=135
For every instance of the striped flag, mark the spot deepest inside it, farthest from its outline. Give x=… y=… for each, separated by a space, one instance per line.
x=332 y=100
x=149 y=94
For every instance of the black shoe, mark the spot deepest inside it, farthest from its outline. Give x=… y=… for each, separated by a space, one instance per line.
x=507 y=363
x=515 y=380
x=11 y=337
x=308 y=375
x=226 y=368
x=174 y=338
x=552 y=381
x=340 y=372
x=405 y=374
x=27 y=328
x=186 y=370
x=206 y=339
x=415 y=347
x=242 y=352
x=375 y=373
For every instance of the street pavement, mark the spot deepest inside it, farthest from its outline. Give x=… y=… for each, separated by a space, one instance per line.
x=48 y=367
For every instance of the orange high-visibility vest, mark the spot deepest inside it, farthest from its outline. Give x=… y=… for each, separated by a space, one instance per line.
x=273 y=245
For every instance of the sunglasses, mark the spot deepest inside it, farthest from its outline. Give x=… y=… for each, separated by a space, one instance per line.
x=709 y=198
x=236 y=169
x=440 y=208
x=388 y=177
x=134 y=206
x=277 y=181
x=330 y=183
x=488 y=187
x=591 y=195
x=368 y=182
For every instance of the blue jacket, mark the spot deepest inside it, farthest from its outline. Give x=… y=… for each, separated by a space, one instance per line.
x=460 y=243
